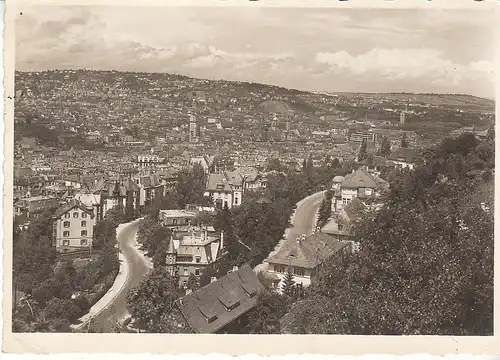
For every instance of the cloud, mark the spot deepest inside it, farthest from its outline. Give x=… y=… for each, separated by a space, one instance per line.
x=404 y=64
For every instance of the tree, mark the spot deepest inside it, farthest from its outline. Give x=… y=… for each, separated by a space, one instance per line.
x=404 y=141
x=265 y=317
x=325 y=211
x=288 y=284
x=191 y=185
x=206 y=276
x=152 y=298
x=362 y=150
x=402 y=283
x=192 y=282
x=385 y=147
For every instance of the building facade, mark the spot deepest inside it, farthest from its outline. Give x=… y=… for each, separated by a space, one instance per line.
x=192 y=253
x=73 y=227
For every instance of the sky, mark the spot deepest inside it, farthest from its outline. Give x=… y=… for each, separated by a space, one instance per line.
x=314 y=49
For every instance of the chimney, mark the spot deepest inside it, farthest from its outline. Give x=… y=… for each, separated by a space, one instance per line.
x=222 y=239
x=213 y=279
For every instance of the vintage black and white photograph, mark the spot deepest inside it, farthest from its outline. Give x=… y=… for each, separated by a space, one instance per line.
x=253 y=170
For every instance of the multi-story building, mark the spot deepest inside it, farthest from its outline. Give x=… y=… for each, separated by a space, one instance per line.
x=403 y=158
x=358 y=184
x=194 y=129
x=73 y=227
x=177 y=218
x=192 y=253
x=304 y=258
x=357 y=138
x=32 y=207
x=225 y=189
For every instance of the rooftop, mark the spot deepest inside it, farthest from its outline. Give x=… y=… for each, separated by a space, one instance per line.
x=212 y=307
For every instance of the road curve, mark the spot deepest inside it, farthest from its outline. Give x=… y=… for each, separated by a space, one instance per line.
x=137 y=269
x=303 y=221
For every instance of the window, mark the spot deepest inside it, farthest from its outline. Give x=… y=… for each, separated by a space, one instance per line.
x=66 y=224
x=197 y=272
x=341 y=227
x=345 y=201
x=65 y=242
x=198 y=259
x=279 y=268
x=66 y=233
x=84 y=215
x=299 y=271
x=186 y=271
x=75 y=214
x=235 y=201
x=83 y=242
x=66 y=215
x=83 y=223
x=174 y=221
x=84 y=232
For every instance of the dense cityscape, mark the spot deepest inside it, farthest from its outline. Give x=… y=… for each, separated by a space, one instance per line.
x=248 y=208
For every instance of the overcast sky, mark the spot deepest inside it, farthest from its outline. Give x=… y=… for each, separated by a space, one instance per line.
x=440 y=51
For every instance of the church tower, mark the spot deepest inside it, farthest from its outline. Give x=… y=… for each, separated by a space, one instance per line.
x=171 y=255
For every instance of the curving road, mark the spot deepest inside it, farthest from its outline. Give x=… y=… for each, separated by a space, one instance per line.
x=137 y=269
x=303 y=222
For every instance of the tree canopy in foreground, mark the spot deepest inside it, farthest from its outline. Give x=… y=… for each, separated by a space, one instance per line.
x=426 y=260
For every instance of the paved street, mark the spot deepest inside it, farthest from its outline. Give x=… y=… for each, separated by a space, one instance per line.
x=137 y=268
x=303 y=222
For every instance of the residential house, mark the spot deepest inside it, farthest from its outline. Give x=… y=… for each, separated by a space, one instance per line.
x=359 y=184
x=340 y=224
x=177 y=218
x=73 y=227
x=32 y=207
x=225 y=189
x=219 y=307
x=116 y=192
x=192 y=253
x=404 y=158
x=304 y=258
x=91 y=201
x=252 y=180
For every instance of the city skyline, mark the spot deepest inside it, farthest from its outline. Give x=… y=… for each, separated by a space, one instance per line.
x=331 y=50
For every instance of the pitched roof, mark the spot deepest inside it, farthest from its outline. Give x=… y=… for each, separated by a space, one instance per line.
x=404 y=154
x=359 y=179
x=218 y=182
x=308 y=253
x=70 y=206
x=215 y=305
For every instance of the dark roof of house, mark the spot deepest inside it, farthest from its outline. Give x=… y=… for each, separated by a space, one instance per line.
x=70 y=206
x=404 y=154
x=308 y=253
x=359 y=179
x=215 y=305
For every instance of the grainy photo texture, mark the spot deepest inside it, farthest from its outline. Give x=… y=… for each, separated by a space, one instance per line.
x=253 y=170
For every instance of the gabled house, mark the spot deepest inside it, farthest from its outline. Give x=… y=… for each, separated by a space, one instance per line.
x=33 y=207
x=304 y=258
x=219 y=307
x=340 y=225
x=225 y=189
x=116 y=192
x=192 y=253
x=73 y=227
x=252 y=180
x=177 y=218
x=404 y=158
x=358 y=184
